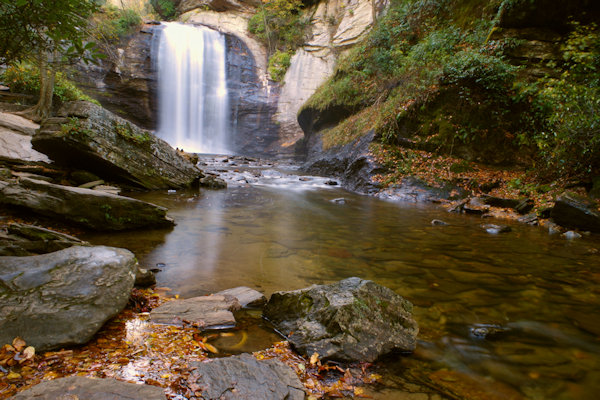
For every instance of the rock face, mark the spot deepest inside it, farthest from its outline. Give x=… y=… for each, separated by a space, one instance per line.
x=335 y=26
x=63 y=298
x=89 y=137
x=244 y=377
x=79 y=387
x=26 y=240
x=352 y=320
x=351 y=163
x=125 y=82
x=576 y=212
x=205 y=312
x=85 y=207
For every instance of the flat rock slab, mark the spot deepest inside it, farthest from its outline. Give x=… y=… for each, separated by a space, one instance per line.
x=82 y=388
x=86 y=207
x=18 y=124
x=89 y=137
x=244 y=377
x=63 y=298
x=246 y=296
x=351 y=320
x=15 y=146
x=204 y=312
x=28 y=240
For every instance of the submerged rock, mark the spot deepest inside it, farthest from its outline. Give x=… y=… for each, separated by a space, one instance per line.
x=244 y=377
x=79 y=387
x=495 y=229
x=577 y=212
x=438 y=222
x=89 y=137
x=63 y=298
x=86 y=207
x=204 y=312
x=351 y=320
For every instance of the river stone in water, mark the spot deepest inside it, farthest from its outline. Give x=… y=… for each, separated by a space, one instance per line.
x=204 y=312
x=351 y=320
x=79 y=387
x=577 y=212
x=63 y=298
x=244 y=377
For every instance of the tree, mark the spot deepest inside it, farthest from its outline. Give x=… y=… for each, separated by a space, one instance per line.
x=50 y=33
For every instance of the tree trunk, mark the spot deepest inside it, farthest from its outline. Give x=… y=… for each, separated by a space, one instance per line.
x=43 y=107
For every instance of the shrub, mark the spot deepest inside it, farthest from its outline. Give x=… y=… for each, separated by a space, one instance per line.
x=278 y=65
x=472 y=67
x=113 y=23
x=25 y=78
x=165 y=9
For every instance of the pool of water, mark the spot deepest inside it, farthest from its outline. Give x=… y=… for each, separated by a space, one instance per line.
x=506 y=316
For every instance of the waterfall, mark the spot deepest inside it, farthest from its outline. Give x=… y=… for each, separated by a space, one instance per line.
x=193 y=100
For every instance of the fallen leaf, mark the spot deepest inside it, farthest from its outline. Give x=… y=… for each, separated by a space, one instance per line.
x=19 y=344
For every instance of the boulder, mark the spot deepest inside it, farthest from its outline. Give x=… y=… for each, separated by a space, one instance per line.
x=15 y=139
x=244 y=377
x=89 y=137
x=79 y=387
x=85 y=207
x=246 y=296
x=576 y=212
x=351 y=320
x=204 y=312
x=26 y=240
x=63 y=298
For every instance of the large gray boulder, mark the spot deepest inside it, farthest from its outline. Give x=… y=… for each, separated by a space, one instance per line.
x=63 y=298
x=577 y=212
x=79 y=387
x=90 y=137
x=85 y=207
x=205 y=312
x=351 y=320
x=244 y=377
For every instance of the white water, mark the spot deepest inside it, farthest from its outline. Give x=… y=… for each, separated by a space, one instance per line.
x=193 y=101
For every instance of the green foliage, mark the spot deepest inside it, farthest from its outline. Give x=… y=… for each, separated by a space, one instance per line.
x=280 y=26
x=472 y=67
x=32 y=26
x=165 y=9
x=278 y=65
x=126 y=131
x=114 y=23
x=25 y=78
x=74 y=127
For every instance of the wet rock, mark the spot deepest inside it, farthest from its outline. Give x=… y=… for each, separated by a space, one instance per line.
x=88 y=208
x=63 y=298
x=108 y=189
x=351 y=320
x=475 y=206
x=438 y=222
x=576 y=212
x=529 y=219
x=524 y=206
x=205 y=312
x=500 y=202
x=90 y=137
x=331 y=183
x=80 y=177
x=247 y=297
x=212 y=182
x=244 y=377
x=339 y=200
x=27 y=240
x=487 y=331
x=553 y=228
x=79 y=387
x=571 y=235
x=144 y=278
x=496 y=229
x=91 y=185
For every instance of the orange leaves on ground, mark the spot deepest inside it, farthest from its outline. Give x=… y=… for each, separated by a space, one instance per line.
x=322 y=378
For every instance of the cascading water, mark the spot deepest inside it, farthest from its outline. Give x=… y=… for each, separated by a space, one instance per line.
x=193 y=100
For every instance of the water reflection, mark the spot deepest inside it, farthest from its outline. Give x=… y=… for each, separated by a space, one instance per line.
x=543 y=291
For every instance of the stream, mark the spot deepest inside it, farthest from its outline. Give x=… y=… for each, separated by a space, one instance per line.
x=506 y=316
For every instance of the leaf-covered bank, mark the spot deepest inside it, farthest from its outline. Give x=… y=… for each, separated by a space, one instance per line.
x=502 y=85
